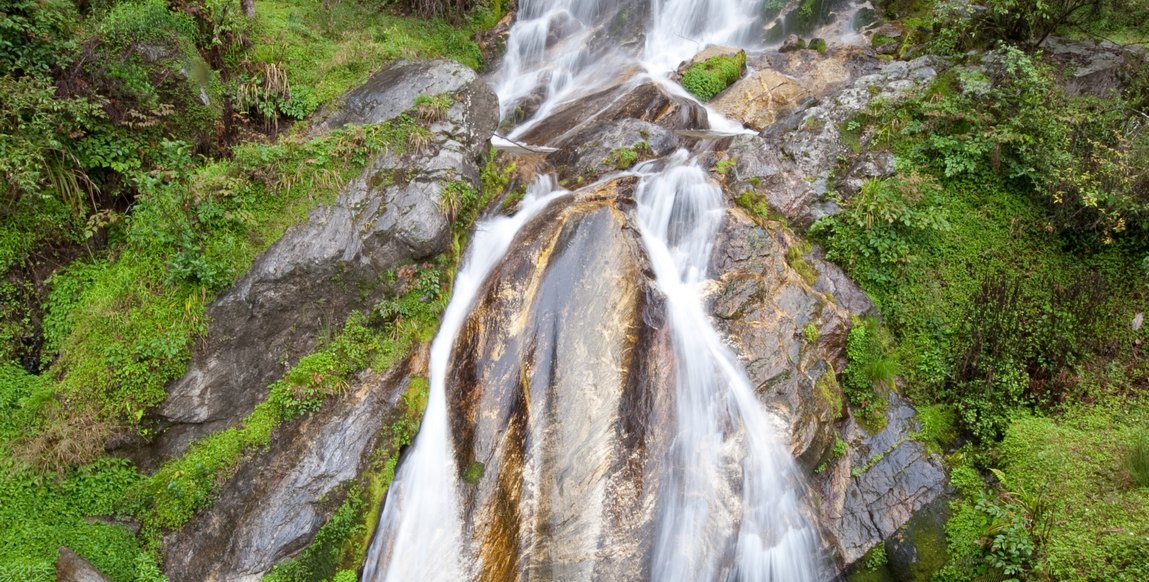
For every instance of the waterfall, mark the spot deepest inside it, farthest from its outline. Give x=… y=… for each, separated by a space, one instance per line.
x=420 y=520
x=680 y=212
x=728 y=506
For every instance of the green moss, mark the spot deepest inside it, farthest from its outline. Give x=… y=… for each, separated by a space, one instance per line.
x=828 y=388
x=474 y=473
x=939 y=427
x=817 y=44
x=706 y=79
x=796 y=258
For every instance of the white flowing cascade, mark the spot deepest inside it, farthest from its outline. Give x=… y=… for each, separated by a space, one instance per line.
x=550 y=48
x=679 y=213
x=421 y=520
x=723 y=433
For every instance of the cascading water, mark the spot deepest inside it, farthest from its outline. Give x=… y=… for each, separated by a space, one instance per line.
x=420 y=521
x=679 y=212
x=725 y=504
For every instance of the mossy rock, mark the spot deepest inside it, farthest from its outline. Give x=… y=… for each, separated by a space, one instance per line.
x=708 y=78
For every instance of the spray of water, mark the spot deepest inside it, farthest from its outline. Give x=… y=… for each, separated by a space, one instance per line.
x=421 y=520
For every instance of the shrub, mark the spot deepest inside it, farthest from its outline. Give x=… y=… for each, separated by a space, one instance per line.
x=36 y=36
x=1018 y=345
x=706 y=79
x=883 y=224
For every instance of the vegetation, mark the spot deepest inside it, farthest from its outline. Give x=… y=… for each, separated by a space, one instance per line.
x=144 y=164
x=708 y=78
x=1006 y=257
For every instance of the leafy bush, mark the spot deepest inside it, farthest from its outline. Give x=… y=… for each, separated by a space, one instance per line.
x=706 y=79
x=36 y=37
x=1018 y=345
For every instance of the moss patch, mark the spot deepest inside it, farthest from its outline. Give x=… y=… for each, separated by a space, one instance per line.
x=706 y=79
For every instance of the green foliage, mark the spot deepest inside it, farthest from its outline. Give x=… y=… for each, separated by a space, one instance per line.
x=1016 y=345
x=883 y=224
x=875 y=558
x=36 y=145
x=810 y=332
x=708 y=78
x=138 y=46
x=939 y=426
x=1060 y=510
x=36 y=36
x=1028 y=22
x=818 y=44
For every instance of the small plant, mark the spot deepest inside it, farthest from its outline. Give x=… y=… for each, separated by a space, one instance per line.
x=810 y=332
x=622 y=158
x=432 y=109
x=723 y=166
x=474 y=473
x=818 y=44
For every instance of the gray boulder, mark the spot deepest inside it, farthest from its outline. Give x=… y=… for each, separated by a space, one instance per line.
x=321 y=270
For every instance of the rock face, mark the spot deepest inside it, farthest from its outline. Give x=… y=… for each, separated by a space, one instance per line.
x=794 y=161
x=633 y=97
x=875 y=489
x=759 y=99
x=272 y=507
x=1094 y=68
x=557 y=391
x=766 y=307
x=310 y=279
x=603 y=149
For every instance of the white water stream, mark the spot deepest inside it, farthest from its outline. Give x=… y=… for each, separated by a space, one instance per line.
x=421 y=521
x=723 y=434
x=680 y=211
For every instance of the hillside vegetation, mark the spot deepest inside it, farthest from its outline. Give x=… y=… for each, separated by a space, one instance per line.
x=147 y=156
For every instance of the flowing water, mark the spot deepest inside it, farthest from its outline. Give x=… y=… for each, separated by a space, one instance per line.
x=727 y=505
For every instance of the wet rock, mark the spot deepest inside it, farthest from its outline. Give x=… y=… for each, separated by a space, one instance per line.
x=558 y=387
x=278 y=498
x=311 y=278
x=792 y=43
x=71 y=567
x=610 y=147
x=759 y=99
x=634 y=96
x=884 y=479
x=766 y=306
